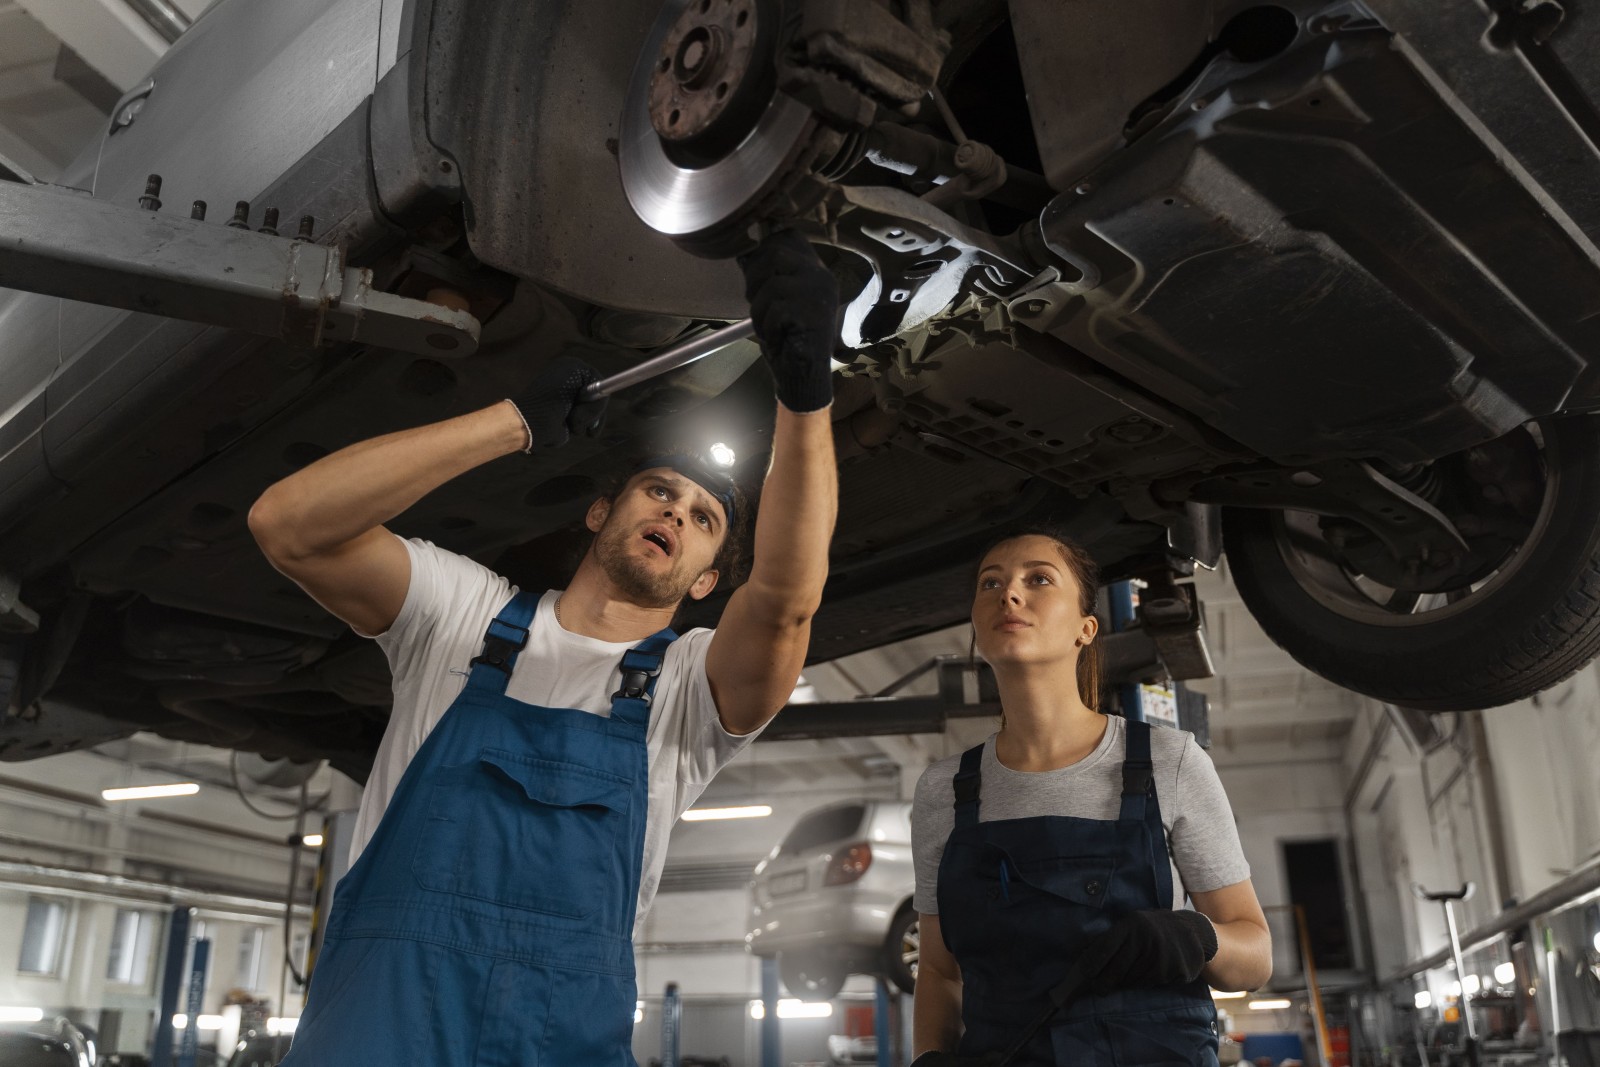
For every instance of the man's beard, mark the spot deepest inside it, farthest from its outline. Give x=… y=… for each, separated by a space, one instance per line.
x=636 y=580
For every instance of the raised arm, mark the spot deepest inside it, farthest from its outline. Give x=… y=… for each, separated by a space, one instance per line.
x=322 y=526
x=760 y=644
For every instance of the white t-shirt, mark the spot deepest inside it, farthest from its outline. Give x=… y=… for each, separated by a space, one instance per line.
x=440 y=628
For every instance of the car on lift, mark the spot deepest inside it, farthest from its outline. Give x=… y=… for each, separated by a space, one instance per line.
x=833 y=898
x=1311 y=283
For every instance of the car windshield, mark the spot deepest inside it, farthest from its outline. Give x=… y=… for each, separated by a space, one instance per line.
x=35 y=1050
x=822 y=827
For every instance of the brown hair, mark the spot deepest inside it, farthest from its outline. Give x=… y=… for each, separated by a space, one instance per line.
x=1086 y=573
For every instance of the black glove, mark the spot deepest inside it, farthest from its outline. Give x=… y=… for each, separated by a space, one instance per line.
x=550 y=405
x=1156 y=947
x=794 y=303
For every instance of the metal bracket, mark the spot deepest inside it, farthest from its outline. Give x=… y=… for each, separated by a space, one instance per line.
x=62 y=243
x=922 y=260
x=15 y=616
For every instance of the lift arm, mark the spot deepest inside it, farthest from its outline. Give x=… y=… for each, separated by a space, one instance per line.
x=62 y=242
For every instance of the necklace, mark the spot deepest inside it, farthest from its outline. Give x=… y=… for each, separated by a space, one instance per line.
x=558 y=612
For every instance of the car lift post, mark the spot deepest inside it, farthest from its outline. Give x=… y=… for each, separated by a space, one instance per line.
x=771 y=1037
x=171 y=983
x=671 y=1025
x=881 y=1028
x=1120 y=598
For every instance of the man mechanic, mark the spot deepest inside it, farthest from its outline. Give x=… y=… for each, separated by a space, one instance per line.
x=541 y=747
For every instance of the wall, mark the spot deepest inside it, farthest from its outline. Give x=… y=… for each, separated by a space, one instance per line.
x=1426 y=814
x=57 y=836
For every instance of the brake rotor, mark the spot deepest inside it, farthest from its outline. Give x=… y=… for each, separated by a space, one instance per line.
x=707 y=142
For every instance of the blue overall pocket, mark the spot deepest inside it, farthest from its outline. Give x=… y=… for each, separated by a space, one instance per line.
x=526 y=833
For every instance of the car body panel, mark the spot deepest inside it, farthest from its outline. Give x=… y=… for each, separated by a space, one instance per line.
x=792 y=910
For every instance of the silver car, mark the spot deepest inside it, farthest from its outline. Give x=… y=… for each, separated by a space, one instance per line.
x=834 y=898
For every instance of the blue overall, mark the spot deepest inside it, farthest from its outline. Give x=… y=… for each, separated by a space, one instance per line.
x=1019 y=898
x=489 y=921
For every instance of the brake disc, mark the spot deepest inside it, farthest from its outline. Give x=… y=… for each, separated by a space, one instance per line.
x=708 y=145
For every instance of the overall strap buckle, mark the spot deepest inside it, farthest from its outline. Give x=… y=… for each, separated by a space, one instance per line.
x=639 y=671
x=1138 y=770
x=501 y=645
x=1137 y=777
x=967 y=785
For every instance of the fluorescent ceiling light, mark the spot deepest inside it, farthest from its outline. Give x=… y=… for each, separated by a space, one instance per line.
x=1422 y=1000
x=21 y=1015
x=144 y=792
x=790 y=1008
x=282 y=1026
x=1505 y=974
x=1268 y=1005
x=180 y=1021
x=750 y=811
x=312 y=840
x=1597 y=942
x=1217 y=994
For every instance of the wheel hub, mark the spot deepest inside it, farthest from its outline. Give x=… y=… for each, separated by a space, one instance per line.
x=700 y=69
x=706 y=139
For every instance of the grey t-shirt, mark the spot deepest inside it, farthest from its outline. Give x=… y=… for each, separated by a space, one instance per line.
x=1202 y=839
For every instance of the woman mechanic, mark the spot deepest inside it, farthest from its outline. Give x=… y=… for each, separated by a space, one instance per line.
x=1057 y=854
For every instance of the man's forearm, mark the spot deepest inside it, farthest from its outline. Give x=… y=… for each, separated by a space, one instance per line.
x=799 y=503
x=936 y=1014
x=1244 y=957
x=345 y=494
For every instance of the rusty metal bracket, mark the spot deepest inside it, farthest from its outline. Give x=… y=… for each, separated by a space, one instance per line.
x=64 y=243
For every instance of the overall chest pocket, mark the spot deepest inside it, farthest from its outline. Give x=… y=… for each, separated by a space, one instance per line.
x=527 y=833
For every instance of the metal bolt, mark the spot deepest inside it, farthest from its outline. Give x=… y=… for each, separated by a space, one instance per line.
x=1199 y=105
x=241 y=215
x=1084 y=189
x=269 y=222
x=151 y=200
x=198 y=212
x=306 y=222
x=1035 y=307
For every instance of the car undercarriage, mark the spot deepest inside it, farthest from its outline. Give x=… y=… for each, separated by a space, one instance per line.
x=1314 y=284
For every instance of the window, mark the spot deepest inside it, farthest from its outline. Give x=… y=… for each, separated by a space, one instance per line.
x=247 y=973
x=824 y=828
x=132 y=934
x=43 y=933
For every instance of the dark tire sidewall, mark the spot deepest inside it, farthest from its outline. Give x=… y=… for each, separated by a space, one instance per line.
x=1482 y=648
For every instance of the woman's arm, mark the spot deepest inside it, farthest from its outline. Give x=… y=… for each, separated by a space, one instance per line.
x=1244 y=944
x=936 y=1009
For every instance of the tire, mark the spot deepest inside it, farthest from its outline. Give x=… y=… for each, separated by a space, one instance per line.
x=901 y=950
x=811 y=976
x=1533 y=623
